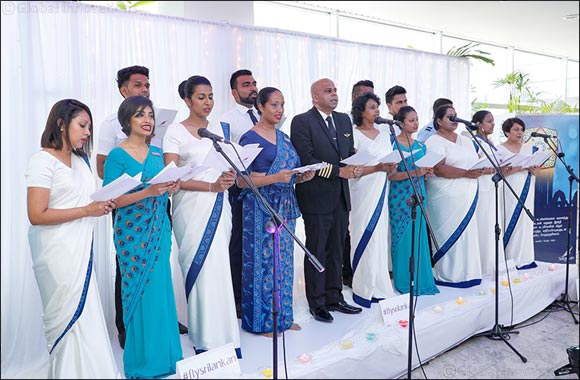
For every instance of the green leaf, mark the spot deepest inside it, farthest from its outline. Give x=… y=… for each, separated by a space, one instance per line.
x=466 y=51
x=138 y=4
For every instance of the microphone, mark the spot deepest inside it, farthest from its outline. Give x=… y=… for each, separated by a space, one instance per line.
x=204 y=133
x=469 y=124
x=380 y=120
x=542 y=135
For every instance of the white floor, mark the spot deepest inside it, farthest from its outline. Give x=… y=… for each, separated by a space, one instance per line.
x=341 y=349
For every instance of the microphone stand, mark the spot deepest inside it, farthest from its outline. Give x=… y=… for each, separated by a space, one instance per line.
x=497 y=332
x=414 y=200
x=274 y=227
x=565 y=298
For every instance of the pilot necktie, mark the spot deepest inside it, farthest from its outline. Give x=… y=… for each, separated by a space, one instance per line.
x=253 y=117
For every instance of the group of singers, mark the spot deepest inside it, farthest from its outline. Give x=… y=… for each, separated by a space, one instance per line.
x=357 y=218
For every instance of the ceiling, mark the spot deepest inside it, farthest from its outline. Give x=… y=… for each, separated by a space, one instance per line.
x=535 y=26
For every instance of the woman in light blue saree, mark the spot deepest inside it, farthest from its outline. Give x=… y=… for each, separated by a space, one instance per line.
x=400 y=212
x=142 y=235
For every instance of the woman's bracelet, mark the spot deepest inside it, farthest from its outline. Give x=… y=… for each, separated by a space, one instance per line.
x=209 y=187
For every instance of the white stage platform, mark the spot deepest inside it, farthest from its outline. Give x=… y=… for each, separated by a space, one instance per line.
x=440 y=323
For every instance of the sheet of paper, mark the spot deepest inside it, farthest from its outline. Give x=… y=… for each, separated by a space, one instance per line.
x=172 y=172
x=536 y=159
x=482 y=163
x=117 y=187
x=247 y=153
x=163 y=118
x=395 y=157
x=359 y=158
x=306 y=168
x=516 y=160
x=429 y=160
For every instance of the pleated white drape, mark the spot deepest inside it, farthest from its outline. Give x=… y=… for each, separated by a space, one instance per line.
x=57 y=50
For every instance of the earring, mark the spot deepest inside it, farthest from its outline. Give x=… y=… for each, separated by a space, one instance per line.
x=61 y=129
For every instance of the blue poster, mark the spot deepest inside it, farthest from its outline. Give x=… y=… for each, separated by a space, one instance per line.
x=552 y=200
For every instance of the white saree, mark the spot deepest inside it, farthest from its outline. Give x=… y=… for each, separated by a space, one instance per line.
x=518 y=238
x=62 y=262
x=369 y=226
x=451 y=209
x=212 y=320
x=485 y=215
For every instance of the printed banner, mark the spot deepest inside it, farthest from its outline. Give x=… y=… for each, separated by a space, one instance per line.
x=552 y=198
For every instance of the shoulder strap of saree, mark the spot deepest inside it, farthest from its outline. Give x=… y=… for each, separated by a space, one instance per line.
x=225 y=129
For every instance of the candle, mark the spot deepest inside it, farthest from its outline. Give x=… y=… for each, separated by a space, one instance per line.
x=371 y=336
x=346 y=344
x=517 y=280
x=267 y=372
x=459 y=300
x=505 y=283
x=304 y=358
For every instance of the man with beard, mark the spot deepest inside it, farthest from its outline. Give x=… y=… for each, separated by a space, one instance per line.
x=241 y=118
x=324 y=135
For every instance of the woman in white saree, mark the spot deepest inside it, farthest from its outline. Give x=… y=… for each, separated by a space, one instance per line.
x=518 y=237
x=202 y=224
x=453 y=195
x=60 y=210
x=369 y=216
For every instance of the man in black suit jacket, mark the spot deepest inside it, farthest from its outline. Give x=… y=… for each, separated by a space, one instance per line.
x=322 y=135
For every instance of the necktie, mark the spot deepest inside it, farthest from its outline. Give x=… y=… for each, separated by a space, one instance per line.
x=253 y=117
x=332 y=130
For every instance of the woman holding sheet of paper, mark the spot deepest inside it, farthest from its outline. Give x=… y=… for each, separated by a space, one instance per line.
x=485 y=218
x=518 y=237
x=202 y=223
x=142 y=235
x=59 y=183
x=400 y=212
x=272 y=173
x=453 y=195
x=369 y=216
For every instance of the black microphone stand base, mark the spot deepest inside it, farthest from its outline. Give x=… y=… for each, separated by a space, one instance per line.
x=565 y=301
x=498 y=332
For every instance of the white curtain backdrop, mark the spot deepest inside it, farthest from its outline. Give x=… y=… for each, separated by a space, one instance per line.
x=57 y=50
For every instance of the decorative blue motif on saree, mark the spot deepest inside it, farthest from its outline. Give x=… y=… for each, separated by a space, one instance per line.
x=517 y=211
x=208 y=234
x=460 y=229
x=258 y=244
x=370 y=228
x=141 y=230
x=82 y=301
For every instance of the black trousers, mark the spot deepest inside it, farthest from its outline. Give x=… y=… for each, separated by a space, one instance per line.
x=235 y=246
x=325 y=236
x=346 y=266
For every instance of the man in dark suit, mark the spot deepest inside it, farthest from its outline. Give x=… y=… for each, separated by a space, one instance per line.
x=322 y=135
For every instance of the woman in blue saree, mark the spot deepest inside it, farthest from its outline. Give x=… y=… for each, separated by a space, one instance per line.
x=142 y=235
x=400 y=213
x=272 y=172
